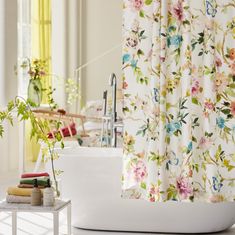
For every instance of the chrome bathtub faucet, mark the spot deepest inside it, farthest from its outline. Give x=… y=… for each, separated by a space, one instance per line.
x=110 y=122
x=113 y=84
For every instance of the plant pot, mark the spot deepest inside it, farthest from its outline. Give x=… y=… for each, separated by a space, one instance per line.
x=35 y=91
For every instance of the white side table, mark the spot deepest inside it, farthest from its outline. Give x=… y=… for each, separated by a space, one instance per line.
x=59 y=205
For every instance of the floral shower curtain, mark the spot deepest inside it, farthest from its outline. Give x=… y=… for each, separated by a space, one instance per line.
x=179 y=100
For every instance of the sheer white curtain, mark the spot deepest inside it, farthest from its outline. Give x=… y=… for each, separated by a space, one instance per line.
x=8 y=83
x=24 y=43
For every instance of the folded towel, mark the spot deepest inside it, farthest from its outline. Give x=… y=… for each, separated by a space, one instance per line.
x=18 y=199
x=30 y=181
x=65 y=131
x=29 y=186
x=20 y=191
x=30 y=175
x=42 y=178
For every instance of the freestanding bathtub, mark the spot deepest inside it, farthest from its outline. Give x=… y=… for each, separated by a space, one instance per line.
x=91 y=179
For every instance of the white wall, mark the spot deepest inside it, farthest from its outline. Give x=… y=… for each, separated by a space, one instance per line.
x=81 y=31
x=102 y=30
x=59 y=56
x=9 y=145
x=2 y=54
x=65 y=43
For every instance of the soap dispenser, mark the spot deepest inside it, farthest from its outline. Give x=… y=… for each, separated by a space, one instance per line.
x=36 y=194
x=48 y=195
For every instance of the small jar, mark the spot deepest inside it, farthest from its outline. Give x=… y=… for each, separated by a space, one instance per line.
x=48 y=195
x=36 y=195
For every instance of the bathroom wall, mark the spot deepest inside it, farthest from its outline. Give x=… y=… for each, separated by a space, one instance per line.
x=82 y=30
x=101 y=31
x=65 y=43
x=2 y=54
x=9 y=145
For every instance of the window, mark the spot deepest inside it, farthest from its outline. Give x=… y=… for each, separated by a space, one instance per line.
x=24 y=43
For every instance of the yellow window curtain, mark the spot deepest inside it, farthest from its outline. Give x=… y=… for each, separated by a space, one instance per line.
x=41 y=37
x=40 y=49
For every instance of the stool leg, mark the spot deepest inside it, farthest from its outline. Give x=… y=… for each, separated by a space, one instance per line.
x=56 y=223
x=69 y=219
x=14 y=223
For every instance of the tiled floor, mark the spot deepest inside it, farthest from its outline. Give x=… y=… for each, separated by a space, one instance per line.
x=42 y=224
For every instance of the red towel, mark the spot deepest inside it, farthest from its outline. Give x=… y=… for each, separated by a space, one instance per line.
x=65 y=131
x=31 y=175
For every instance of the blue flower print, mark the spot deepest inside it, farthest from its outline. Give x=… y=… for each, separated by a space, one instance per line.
x=134 y=63
x=190 y=146
x=177 y=125
x=174 y=41
x=220 y=122
x=170 y=128
x=126 y=58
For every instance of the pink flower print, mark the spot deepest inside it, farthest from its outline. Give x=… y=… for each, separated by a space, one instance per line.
x=221 y=81
x=218 y=62
x=184 y=187
x=190 y=172
x=136 y=4
x=149 y=54
x=139 y=170
x=162 y=59
x=195 y=87
x=31 y=73
x=124 y=85
x=152 y=190
x=204 y=143
x=209 y=105
x=208 y=108
x=194 y=91
x=177 y=11
x=232 y=54
x=232 y=106
x=217 y=198
x=42 y=73
x=232 y=67
x=152 y=199
x=154 y=193
x=132 y=40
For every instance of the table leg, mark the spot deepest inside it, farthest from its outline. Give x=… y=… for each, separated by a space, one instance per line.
x=14 y=223
x=69 y=218
x=56 y=223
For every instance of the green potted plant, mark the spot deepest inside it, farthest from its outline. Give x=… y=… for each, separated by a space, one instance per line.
x=37 y=71
x=24 y=109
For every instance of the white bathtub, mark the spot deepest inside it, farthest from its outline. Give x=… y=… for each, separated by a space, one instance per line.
x=91 y=179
